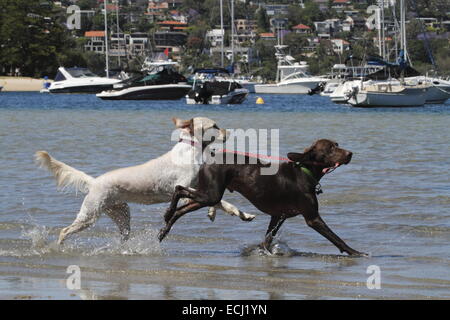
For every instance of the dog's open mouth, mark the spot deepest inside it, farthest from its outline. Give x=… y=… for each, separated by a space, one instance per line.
x=330 y=169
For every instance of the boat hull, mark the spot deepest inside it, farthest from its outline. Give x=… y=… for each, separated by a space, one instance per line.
x=290 y=88
x=408 y=97
x=153 y=92
x=81 y=89
x=436 y=95
x=235 y=97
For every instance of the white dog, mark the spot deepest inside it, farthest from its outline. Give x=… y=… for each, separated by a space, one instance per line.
x=148 y=183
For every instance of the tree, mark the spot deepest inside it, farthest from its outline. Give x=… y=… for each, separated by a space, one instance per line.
x=262 y=20
x=31 y=36
x=296 y=42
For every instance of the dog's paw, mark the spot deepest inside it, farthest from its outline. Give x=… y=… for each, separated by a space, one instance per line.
x=247 y=217
x=212 y=214
x=356 y=254
x=162 y=234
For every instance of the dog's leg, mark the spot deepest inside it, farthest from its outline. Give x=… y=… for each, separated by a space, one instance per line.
x=232 y=210
x=87 y=216
x=120 y=214
x=321 y=227
x=212 y=213
x=274 y=226
x=178 y=214
x=180 y=192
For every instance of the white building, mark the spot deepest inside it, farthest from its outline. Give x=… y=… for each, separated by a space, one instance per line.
x=215 y=37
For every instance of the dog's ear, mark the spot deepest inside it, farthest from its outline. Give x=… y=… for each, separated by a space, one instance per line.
x=296 y=157
x=183 y=124
x=300 y=157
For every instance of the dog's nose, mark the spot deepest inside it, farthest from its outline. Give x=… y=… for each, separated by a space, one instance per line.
x=349 y=155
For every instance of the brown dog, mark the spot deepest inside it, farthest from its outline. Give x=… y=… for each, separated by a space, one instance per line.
x=288 y=193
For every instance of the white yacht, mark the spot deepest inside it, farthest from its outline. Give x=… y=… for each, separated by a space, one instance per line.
x=292 y=76
x=80 y=80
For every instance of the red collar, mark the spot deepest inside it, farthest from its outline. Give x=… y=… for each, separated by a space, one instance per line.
x=191 y=142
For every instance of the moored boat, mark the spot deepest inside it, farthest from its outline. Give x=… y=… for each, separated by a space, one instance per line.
x=215 y=86
x=80 y=80
x=160 y=81
x=292 y=76
x=389 y=95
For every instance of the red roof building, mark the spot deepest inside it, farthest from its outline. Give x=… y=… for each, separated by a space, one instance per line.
x=94 y=34
x=301 y=28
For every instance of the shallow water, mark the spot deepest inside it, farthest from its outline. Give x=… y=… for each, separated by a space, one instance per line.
x=392 y=200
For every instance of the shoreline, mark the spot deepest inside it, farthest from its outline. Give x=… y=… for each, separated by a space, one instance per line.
x=24 y=84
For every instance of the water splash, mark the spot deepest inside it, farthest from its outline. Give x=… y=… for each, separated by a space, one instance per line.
x=141 y=243
x=37 y=234
x=277 y=249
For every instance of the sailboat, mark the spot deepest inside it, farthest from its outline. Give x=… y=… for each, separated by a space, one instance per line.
x=393 y=92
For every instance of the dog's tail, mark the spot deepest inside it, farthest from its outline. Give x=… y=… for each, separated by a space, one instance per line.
x=65 y=175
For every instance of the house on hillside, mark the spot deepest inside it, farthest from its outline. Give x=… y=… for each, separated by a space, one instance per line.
x=340 y=45
x=323 y=4
x=325 y=29
x=95 y=41
x=301 y=28
x=341 y=5
x=268 y=36
x=215 y=37
x=276 y=9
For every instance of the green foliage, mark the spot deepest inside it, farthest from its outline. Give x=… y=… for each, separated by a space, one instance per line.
x=296 y=42
x=266 y=54
x=262 y=20
x=29 y=40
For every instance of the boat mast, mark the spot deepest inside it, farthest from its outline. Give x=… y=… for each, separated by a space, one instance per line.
x=222 y=32
x=383 y=35
x=379 y=32
x=232 y=32
x=404 y=29
x=403 y=36
x=105 y=4
x=118 y=30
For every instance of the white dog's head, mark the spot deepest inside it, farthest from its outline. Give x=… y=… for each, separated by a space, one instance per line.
x=202 y=129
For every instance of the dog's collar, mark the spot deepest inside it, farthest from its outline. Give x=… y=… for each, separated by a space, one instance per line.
x=191 y=142
x=317 y=186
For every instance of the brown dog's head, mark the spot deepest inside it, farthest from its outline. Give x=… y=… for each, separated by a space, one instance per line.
x=323 y=154
x=203 y=129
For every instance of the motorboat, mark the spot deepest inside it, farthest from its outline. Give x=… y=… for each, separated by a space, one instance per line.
x=159 y=80
x=215 y=86
x=80 y=80
x=292 y=76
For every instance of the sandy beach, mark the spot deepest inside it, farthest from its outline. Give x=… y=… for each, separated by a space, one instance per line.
x=21 y=84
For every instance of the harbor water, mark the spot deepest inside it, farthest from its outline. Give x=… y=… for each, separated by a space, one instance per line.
x=392 y=201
